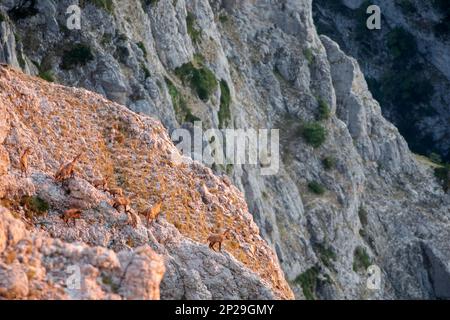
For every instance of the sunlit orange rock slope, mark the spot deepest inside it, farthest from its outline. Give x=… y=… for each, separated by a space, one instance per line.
x=133 y=152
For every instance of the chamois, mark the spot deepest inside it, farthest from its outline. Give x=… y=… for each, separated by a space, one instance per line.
x=116 y=192
x=24 y=161
x=71 y=214
x=122 y=201
x=151 y=213
x=101 y=183
x=218 y=238
x=67 y=170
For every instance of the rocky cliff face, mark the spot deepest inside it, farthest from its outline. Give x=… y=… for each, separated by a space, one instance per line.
x=359 y=198
x=406 y=63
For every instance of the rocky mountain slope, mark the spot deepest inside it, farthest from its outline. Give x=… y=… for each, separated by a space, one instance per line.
x=348 y=194
x=406 y=63
x=119 y=254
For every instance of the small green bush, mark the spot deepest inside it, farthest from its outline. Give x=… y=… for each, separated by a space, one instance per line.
x=314 y=134
x=47 y=75
x=329 y=163
x=182 y=111
x=443 y=176
x=309 y=55
x=106 y=5
x=361 y=260
x=202 y=80
x=80 y=54
x=436 y=158
x=141 y=46
x=225 y=99
x=2 y=17
x=308 y=281
x=223 y=18
x=192 y=30
x=324 y=109
x=17 y=37
x=326 y=255
x=175 y=96
x=205 y=83
x=21 y=61
x=35 y=204
x=145 y=71
x=316 y=187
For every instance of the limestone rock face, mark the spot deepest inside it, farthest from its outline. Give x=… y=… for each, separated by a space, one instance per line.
x=381 y=207
x=412 y=84
x=7 y=45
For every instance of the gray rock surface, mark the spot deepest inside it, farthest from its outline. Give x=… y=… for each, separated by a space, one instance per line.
x=424 y=58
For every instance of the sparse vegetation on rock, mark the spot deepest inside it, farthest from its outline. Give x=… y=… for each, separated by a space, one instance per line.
x=182 y=111
x=79 y=55
x=361 y=260
x=107 y=5
x=329 y=162
x=324 y=109
x=316 y=187
x=201 y=79
x=225 y=100
x=308 y=281
x=442 y=173
x=47 y=75
x=192 y=28
x=35 y=204
x=314 y=134
x=309 y=55
x=326 y=255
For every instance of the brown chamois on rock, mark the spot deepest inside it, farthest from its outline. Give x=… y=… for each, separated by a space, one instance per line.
x=218 y=238
x=67 y=170
x=152 y=213
x=23 y=161
x=133 y=219
x=206 y=195
x=123 y=201
x=71 y=214
x=116 y=192
x=101 y=183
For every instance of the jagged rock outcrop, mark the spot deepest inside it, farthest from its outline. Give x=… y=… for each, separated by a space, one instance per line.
x=357 y=199
x=36 y=266
x=406 y=62
x=58 y=123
